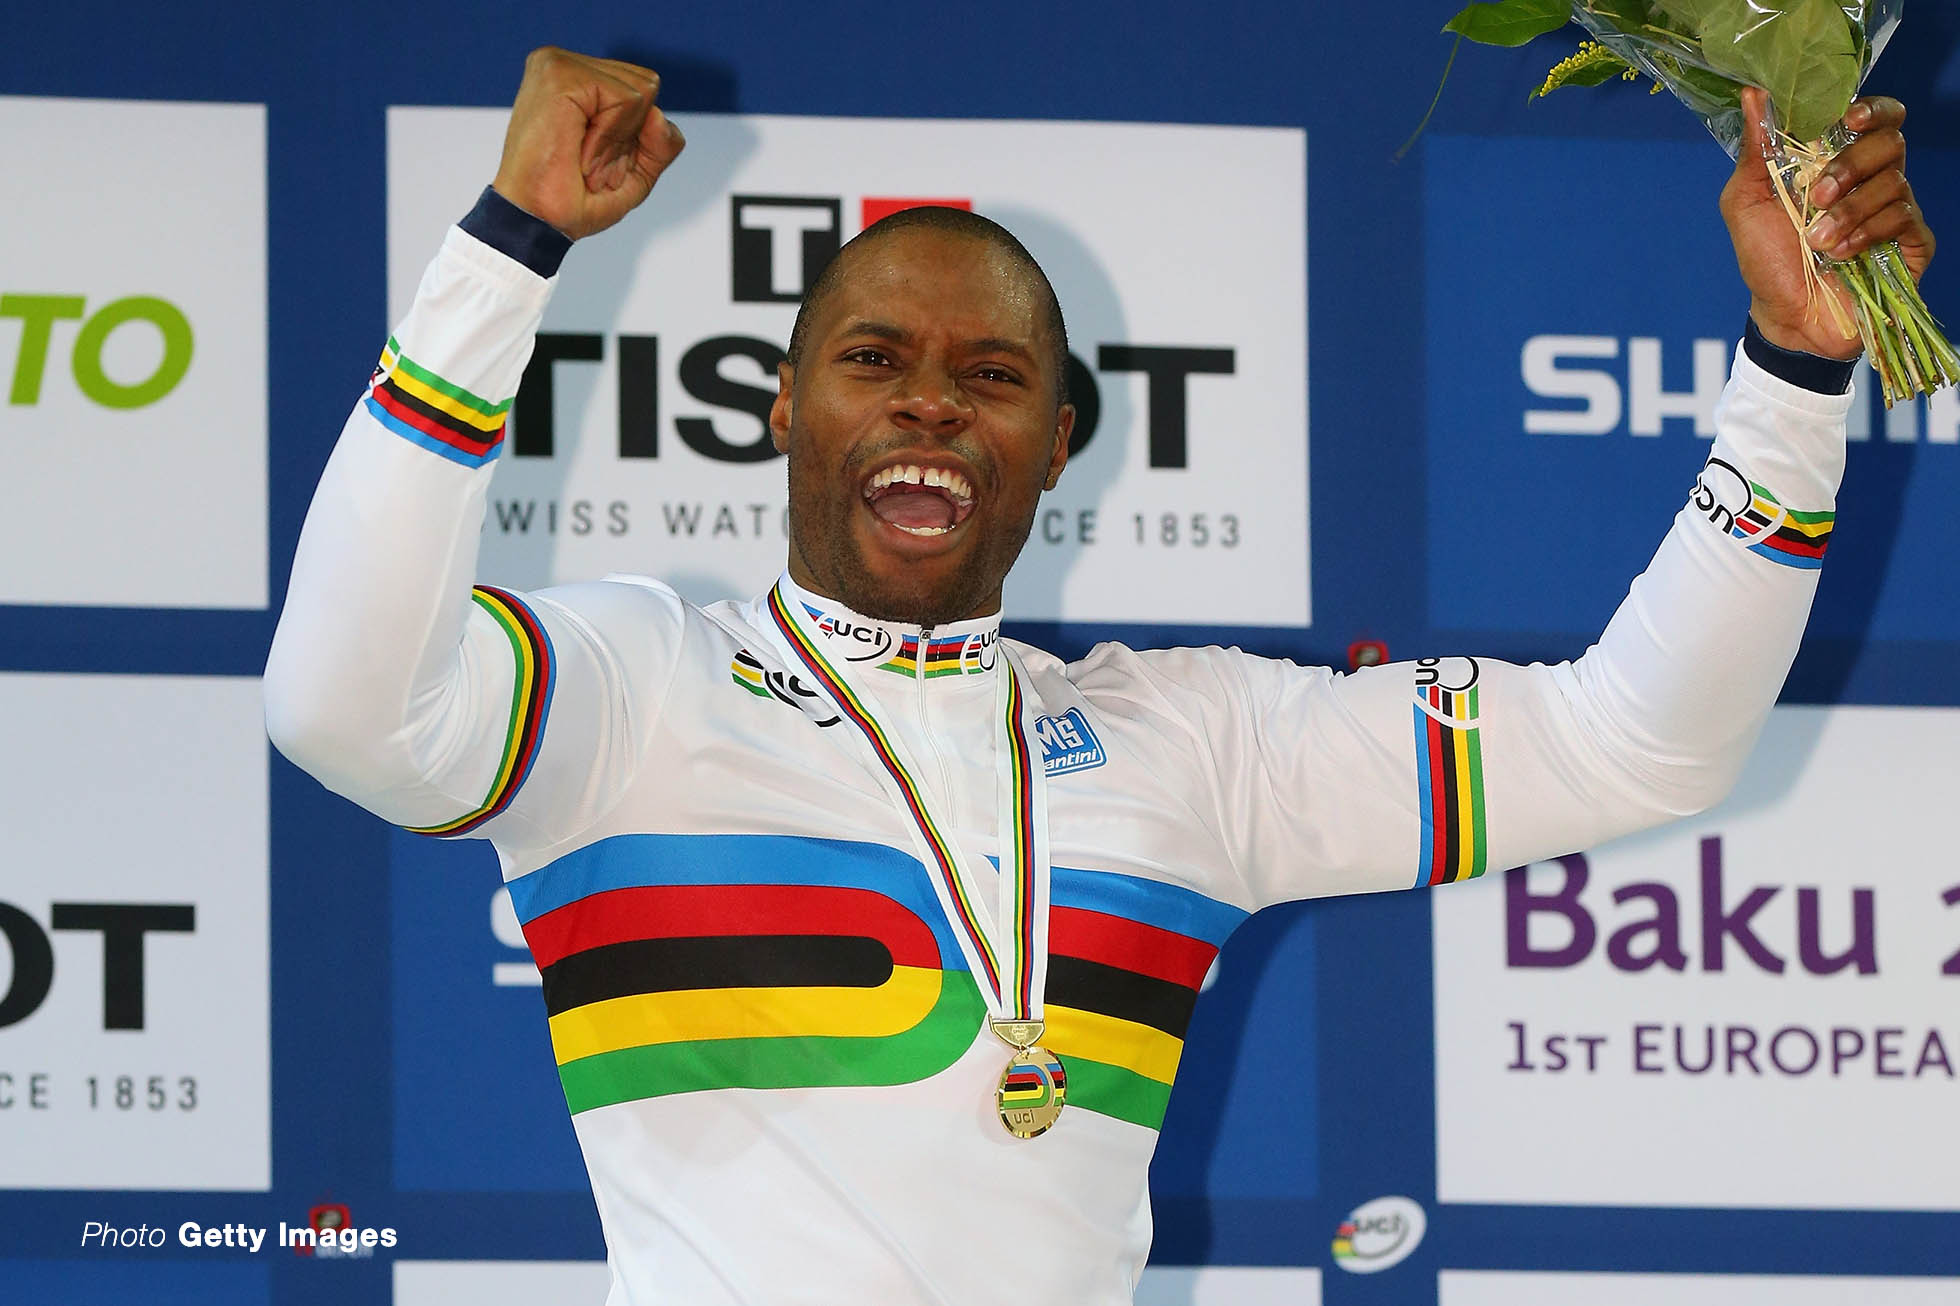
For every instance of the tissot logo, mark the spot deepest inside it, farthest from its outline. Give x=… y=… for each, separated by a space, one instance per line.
x=123 y=927
x=639 y=436
x=778 y=244
x=1168 y=372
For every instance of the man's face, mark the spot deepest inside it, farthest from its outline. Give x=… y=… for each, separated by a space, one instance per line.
x=921 y=428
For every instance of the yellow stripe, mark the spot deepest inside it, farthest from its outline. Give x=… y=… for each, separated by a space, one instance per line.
x=747 y=673
x=691 y=1014
x=1466 y=812
x=387 y=358
x=462 y=412
x=1812 y=529
x=525 y=671
x=1149 y=1052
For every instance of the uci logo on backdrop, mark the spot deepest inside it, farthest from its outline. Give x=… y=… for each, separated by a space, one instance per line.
x=639 y=437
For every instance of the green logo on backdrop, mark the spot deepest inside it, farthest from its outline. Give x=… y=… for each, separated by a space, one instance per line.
x=39 y=313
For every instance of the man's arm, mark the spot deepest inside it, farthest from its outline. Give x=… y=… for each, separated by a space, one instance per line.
x=441 y=706
x=1426 y=773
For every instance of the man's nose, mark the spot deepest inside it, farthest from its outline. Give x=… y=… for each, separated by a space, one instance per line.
x=931 y=401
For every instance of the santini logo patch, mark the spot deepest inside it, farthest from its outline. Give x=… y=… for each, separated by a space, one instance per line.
x=1067 y=743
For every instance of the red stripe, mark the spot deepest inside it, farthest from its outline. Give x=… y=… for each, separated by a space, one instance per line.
x=1128 y=945
x=1440 y=815
x=527 y=744
x=478 y=448
x=667 y=911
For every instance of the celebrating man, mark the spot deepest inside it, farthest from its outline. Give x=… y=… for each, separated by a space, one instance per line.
x=868 y=938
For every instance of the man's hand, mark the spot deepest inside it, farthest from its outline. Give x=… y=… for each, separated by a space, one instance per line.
x=586 y=142
x=1866 y=201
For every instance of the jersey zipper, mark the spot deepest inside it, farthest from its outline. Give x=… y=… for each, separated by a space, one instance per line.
x=925 y=729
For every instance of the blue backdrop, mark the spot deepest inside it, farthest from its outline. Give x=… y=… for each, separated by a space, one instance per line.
x=1308 y=1081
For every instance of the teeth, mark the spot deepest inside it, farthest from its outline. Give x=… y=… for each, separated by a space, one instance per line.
x=936 y=477
x=924 y=530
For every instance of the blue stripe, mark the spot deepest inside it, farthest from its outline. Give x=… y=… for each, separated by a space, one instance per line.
x=1151 y=902
x=628 y=861
x=424 y=439
x=1424 y=803
x=634 y=860
x=1796 y=560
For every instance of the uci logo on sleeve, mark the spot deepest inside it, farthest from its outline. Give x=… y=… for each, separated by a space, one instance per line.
x=1067 y=743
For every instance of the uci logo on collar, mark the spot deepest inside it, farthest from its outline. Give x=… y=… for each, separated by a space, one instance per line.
x=1067 y=743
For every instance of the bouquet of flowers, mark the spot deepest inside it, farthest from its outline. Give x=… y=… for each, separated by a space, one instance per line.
x=1811 y=56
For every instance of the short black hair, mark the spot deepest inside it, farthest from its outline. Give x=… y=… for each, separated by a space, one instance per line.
x=934 y=217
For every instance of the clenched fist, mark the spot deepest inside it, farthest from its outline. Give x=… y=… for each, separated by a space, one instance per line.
x=586 y=141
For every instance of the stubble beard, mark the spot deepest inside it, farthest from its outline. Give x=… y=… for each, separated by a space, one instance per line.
x=821 y=527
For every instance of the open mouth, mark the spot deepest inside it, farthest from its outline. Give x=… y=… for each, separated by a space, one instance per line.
x=920 y=500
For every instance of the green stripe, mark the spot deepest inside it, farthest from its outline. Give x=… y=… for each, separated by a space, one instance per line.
x=1809 y=518
x=456 y=392
x=1762 y=492
x=757 y=690
x=1475 y=747
x=1113 y=1091
x=816 y=1061
x=518 y=648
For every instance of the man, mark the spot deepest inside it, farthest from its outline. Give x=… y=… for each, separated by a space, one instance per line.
x=852 y=998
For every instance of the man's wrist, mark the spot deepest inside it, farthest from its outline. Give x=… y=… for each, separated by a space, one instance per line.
x=1825 y=376
x=516 y=234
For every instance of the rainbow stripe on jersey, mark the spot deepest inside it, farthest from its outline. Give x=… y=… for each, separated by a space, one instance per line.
x=435 y=414
x=1783 y=535
x=943 y=657
x=1449 y=775
x=530 y=705
x=691 y=963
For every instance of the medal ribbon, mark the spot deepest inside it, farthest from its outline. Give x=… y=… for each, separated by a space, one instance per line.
x=1016 y=972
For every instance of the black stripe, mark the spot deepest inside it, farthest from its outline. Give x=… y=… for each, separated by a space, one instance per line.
x=742 y=961
x=1113 y=991
x=1452 y=836
x=1792 y=533
x=434 y=414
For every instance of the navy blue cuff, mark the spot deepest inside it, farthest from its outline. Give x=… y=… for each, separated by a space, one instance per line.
x=1826 y=376
x=515 y=234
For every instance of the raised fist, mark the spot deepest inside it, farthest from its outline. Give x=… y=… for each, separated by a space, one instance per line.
x=586 y=141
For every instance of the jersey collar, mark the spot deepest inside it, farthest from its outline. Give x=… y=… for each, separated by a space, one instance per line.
x=857 y=643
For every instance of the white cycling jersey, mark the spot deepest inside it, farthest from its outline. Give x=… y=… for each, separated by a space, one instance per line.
x=773 y=1051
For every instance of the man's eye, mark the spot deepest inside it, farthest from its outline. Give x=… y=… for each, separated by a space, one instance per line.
x=1000 y=374
x=867 y=356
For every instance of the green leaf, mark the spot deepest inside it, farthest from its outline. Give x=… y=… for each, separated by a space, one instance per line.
x=1510 y=22
x=1805 y=53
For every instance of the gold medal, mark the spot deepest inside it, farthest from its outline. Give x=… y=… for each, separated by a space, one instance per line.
x=1034 y=1085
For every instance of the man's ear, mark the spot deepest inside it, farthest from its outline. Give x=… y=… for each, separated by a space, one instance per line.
x=1064 y=428
x=779 y=412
